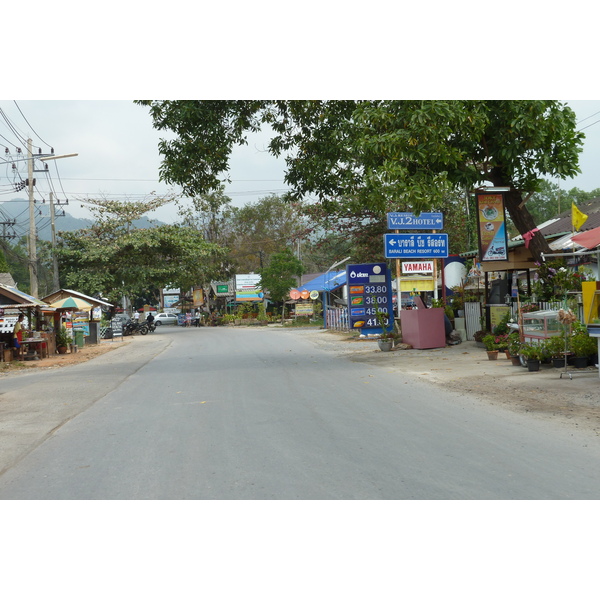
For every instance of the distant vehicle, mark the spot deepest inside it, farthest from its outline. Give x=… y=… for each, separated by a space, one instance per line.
x=165 y=319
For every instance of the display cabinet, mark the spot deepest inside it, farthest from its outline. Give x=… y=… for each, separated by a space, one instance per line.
x=541 y=325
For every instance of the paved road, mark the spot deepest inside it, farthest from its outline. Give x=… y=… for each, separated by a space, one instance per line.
x=226 y=413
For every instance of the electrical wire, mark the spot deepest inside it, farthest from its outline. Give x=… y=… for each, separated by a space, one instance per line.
x=587 y=126
x=28 y=123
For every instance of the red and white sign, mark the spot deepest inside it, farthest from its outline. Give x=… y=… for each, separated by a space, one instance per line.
x=421 y=266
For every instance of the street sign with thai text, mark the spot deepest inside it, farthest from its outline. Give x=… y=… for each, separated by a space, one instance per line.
x=416 y=245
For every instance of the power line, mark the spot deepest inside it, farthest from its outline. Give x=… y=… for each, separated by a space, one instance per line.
x=26 y=121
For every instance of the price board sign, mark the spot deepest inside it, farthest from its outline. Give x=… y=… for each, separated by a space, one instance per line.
x=369 y=290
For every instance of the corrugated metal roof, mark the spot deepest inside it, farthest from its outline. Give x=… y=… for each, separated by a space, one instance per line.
x=325 y=281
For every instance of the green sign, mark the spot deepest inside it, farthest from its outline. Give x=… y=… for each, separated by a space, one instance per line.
x=222 y=289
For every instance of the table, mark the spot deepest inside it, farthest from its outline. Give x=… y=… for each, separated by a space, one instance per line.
x=37 y=344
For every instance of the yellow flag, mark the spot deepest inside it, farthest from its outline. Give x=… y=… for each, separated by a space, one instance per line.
x=577 y=217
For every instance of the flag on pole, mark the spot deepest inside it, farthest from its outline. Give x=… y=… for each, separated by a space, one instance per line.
x=577 y=217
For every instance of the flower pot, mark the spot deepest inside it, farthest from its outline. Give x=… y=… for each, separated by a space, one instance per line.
x=61 y=349
x=580 y=362
x=385 y=345
x=559 y=363
x=533 y=364
x=516 y=361
x=492 y=354
x=508 y=355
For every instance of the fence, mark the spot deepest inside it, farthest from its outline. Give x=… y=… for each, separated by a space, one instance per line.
x=337 y=319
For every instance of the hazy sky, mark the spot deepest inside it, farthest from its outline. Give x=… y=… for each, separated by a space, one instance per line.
x=118 y=154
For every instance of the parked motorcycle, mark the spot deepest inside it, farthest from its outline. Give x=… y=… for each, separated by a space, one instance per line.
x=131 y=328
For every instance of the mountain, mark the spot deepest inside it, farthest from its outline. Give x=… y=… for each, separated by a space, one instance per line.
x=14 y=220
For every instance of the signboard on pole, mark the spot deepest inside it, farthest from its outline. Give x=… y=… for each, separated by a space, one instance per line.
x=407 y=220
x=417 y=266
x=247 y=288
x=493 y=239
x=369 y=290
x=416 y=245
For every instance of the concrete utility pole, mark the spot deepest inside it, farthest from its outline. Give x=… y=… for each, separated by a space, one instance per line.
x=33 y=279
x=55 y=279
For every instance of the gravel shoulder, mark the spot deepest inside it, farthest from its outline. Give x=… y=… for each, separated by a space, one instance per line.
x=465 y=368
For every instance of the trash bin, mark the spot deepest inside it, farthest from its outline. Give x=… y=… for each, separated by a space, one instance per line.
x=78 y=338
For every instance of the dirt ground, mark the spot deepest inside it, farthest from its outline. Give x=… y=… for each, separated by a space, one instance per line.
x=572 y=397
x=64 y=360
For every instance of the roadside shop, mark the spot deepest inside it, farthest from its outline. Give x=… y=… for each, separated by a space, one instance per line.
x=37 y=337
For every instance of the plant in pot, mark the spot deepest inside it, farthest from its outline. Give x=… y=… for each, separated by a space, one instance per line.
x=478 y=337
x=63 y=339
x=514 y=347
x=491 y=343
x=555 y=349
x=532 y=353
x=583 y=346
x=386 y=338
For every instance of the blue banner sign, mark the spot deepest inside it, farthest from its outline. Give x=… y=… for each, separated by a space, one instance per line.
x=369 y=290
x=416 y=245
x=406 y=220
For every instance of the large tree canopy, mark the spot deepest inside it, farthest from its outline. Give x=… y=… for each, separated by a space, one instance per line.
x=366 y=153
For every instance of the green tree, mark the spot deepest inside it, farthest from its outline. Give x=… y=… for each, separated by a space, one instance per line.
x=259 y=229
x=279 y=277
x=364 y=153
x=115 y=259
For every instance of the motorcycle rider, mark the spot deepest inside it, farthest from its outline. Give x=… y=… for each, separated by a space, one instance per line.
x=150 y=320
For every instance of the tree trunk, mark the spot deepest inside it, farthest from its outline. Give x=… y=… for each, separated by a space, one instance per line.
x=521 y=217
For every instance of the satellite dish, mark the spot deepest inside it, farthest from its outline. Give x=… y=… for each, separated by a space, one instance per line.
x=294 y=294
x=314 y=295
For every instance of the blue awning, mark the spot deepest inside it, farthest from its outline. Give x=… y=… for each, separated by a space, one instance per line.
x=325 y=282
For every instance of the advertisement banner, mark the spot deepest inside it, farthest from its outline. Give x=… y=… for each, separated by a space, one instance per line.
x=247 y=288
x=423 y=266
x=493 y=239
x=198 y=297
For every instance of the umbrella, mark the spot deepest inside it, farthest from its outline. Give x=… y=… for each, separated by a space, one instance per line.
x=72 y=303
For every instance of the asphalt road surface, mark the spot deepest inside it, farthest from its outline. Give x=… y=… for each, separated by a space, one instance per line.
x=261 y=413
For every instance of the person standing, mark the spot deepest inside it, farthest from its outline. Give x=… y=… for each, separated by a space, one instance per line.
x=18 y=331
x=136 y=316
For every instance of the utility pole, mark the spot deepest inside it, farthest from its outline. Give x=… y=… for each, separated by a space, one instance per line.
x=55 y=279
x=33 y=280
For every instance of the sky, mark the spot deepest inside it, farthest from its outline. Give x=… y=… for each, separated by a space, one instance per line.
x=117 y=154
x=118 y=158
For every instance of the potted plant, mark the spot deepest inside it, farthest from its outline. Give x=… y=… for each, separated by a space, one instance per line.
x=478 y=337
x=583 y=346
x=532 y=353
x=63 y=339
x=555 y=349
x=386 y=338
x=491 y=346
x=514 y=347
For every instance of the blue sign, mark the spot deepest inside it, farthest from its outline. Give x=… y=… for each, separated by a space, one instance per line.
x=416 y=245
x=406 y=220
x=369 y=290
